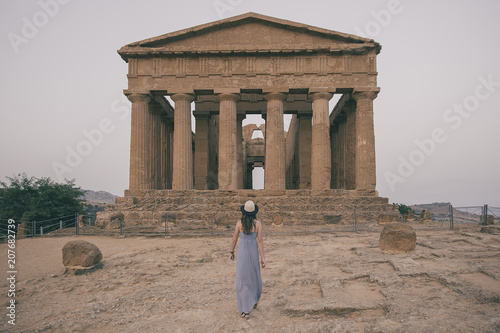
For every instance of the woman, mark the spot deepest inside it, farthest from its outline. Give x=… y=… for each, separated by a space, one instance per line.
x=248 y=278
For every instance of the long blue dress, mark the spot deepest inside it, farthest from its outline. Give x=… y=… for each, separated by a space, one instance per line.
x=248 y=278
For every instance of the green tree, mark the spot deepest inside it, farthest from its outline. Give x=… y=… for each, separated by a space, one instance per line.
x=403 y=208
x=28 y=199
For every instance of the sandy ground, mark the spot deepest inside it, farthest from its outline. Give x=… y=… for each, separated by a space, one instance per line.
x=335 y=282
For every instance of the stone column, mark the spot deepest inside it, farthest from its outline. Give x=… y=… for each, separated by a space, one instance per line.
x=182 y=178
x=228 y=156
x=239 y=149
x=350 y=147
x=201 y=151
x=305 y=136
x=139 y=142
x=275 y=173
x=332 y=156
x=155 y=145
x=341 y=152
x=213 y=152
x=320 y=145
x=334 y=131
x=163 y=153
x=170 y=153
x=365 y=140
x=244 y=162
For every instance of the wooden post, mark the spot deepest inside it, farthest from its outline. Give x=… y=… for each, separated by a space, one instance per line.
x=451 y=217
x=76 y=224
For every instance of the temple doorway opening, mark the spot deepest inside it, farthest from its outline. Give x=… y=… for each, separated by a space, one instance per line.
x=254 y=128
x=258 y=178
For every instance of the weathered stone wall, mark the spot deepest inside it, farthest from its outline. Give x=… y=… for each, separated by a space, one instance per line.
x=296 y=207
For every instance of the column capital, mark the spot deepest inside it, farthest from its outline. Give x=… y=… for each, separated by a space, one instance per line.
x=321 y=95
x=138 y=97
x=227 y=96
x=182 y=97
x=275 y=96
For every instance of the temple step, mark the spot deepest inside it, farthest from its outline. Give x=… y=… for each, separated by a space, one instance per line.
x=218 y=210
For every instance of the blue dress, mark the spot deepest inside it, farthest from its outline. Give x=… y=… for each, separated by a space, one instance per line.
x=248 y=278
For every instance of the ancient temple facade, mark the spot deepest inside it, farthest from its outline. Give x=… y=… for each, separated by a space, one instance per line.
x=252 y=64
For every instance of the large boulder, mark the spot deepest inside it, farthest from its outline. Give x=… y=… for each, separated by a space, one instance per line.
x=80 y=256
x=397 y=238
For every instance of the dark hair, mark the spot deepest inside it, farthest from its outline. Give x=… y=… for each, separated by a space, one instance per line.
x=247 y=221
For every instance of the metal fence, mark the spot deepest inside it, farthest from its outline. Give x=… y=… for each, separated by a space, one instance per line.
x=168 y=224
x=482 y=215
x=495 y=213
x=59 y=226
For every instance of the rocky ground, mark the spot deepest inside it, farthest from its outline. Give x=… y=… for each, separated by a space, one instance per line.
x=323 y=282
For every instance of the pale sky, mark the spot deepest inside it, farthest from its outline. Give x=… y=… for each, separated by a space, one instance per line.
x=436 y=118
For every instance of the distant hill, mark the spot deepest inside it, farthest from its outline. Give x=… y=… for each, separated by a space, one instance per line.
x=99 y=197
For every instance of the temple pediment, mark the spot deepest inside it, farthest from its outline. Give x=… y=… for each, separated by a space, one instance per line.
x=251 y=33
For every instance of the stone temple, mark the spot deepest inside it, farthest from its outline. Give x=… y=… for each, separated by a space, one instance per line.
x=220 y=72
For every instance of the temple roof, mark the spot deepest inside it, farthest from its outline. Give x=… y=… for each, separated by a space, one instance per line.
x=250 y=33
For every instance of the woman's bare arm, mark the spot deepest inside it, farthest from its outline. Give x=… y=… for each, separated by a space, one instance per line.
x=260 y=244
x=235 y=239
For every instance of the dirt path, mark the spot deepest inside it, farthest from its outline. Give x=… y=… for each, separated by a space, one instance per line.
x=313 y=283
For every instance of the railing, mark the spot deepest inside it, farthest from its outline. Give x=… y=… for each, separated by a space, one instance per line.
x=59 y=226
x=482 y=215
x=349 y=219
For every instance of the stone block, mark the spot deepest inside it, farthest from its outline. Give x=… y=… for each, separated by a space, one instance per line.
x=397 y=238
x=426 y=216
x=277 y=221
x=409 y=216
